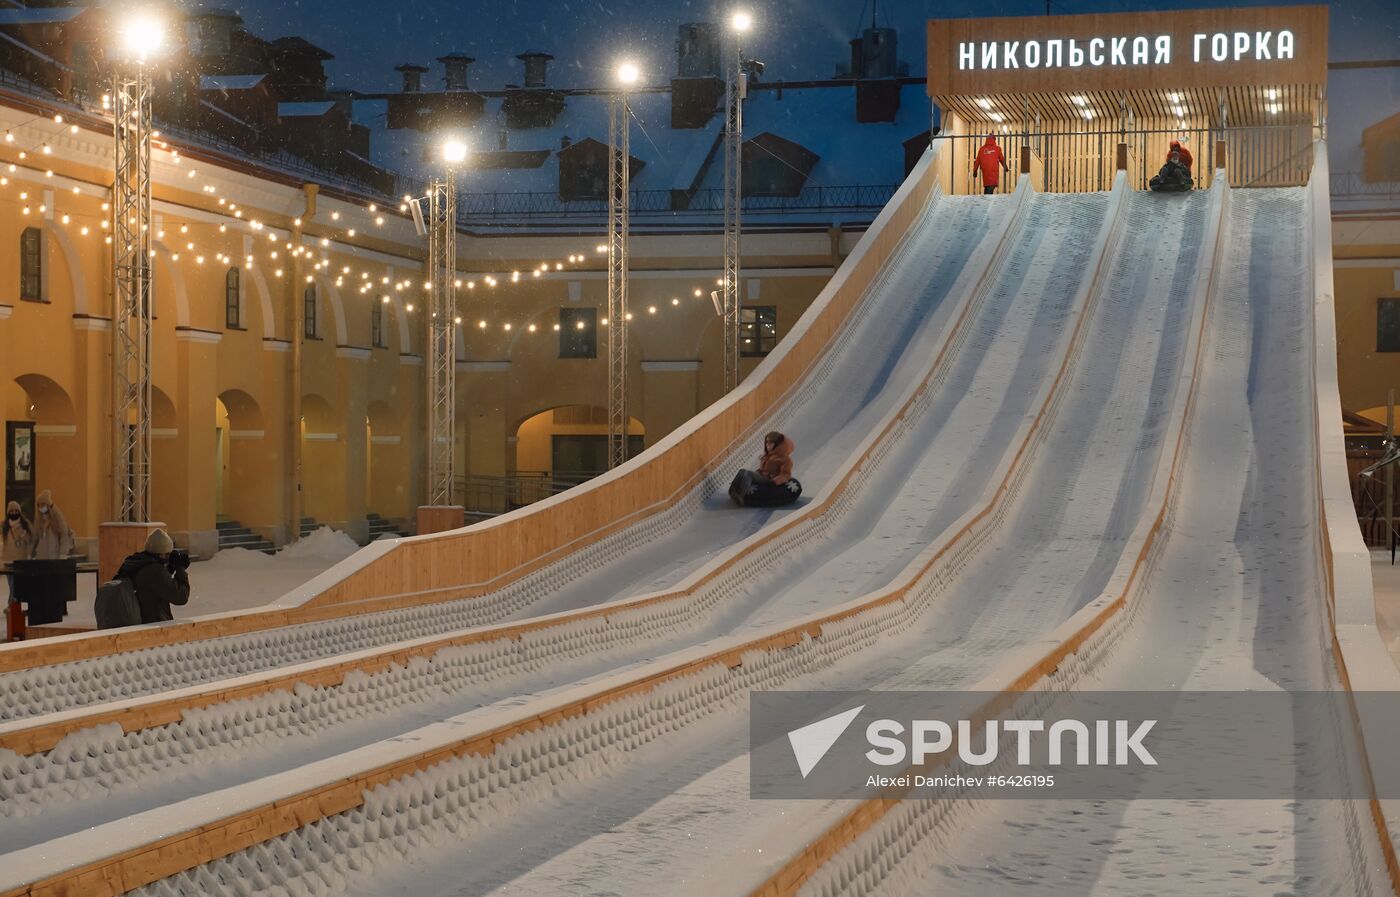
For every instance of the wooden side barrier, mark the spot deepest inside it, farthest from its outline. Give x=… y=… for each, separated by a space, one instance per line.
x=160 y=858
x=788 y=878
x=1363 y=661
x=488 y=555
x=31 y=736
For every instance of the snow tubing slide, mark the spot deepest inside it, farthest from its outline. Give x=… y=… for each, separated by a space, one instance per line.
x=870 y=839
x=296 y=802
x=403 y=573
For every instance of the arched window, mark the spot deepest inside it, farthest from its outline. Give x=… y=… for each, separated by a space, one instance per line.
x=310 y=327
x=31 y=265
x=233 y=308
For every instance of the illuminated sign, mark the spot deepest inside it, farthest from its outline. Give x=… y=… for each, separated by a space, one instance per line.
x=1237 y=46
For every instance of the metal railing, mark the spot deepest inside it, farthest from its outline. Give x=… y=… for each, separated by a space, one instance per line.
x=476 y=207
x=1081 y=161
x=482 y=494
x=1353 y=185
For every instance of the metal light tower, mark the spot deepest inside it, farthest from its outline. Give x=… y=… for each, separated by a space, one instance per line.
x=619 y=223
x=131 y=274
x=442 y=328
x=735 y=88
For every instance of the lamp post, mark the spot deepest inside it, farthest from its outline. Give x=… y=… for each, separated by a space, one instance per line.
x=139 y=40
x=619 y=213
x=735 y=89
x=440 y=511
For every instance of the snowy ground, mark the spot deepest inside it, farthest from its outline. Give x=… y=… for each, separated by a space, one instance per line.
x=235 y=578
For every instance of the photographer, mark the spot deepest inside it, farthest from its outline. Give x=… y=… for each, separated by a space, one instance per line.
x=159 y=575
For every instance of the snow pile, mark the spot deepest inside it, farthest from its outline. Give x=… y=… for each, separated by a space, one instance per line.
x=325 y=544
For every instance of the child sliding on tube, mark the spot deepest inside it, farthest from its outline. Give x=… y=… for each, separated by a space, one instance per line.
x=772 y=483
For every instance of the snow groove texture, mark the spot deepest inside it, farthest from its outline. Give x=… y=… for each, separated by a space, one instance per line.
x=452 y=799
x=1234 y=599
x=93 y=763
x=879 y=328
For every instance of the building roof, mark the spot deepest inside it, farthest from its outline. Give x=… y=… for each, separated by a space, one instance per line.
x=230 y=82
x=819 y=117
x=305 y=110
x=44 y=16
x=301 y=44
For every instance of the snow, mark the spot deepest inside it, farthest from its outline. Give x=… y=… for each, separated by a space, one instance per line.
x=1232 y=604
x=236 y=578
x=230 y=82
x=298 y=110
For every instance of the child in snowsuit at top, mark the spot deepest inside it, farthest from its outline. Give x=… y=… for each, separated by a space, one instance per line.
x=772 y=482
x=988 y=158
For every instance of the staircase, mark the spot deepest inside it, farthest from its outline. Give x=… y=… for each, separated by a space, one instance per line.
x=233 y=534
x=378 y=526
x=308 y=526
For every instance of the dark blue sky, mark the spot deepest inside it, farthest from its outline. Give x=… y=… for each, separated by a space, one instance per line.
x=796 y=38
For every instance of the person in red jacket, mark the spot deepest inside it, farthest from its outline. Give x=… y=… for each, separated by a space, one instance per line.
x=772 y=483
x=989 y=157
x=1183 y=154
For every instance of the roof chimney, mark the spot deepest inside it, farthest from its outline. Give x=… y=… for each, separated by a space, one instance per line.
x=455 y=67
x=536 y=67
x=412 y=76
x=697 y=50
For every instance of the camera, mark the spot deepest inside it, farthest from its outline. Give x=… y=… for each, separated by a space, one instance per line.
x=179 y=560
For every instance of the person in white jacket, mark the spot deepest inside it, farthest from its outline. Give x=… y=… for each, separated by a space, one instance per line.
x=53 y=538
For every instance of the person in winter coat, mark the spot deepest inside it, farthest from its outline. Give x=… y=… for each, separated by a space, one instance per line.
x=774 y=468
x=988 y=159
x=160 y=580
x=17 y=536
x=1183 y=155
x=53 y=540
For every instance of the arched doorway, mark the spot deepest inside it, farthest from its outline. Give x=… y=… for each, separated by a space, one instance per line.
x=569 y=444
x=238 y=447
x=41 y=450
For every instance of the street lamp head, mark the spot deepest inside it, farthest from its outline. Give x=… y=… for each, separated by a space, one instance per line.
x=628 y=73
x=741 y=21
x=142 y=36
x=454 y=151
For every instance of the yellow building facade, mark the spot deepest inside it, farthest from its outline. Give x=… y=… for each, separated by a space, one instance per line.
x=277 y=395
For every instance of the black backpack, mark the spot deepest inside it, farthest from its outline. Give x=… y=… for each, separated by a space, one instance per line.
x=116 y=605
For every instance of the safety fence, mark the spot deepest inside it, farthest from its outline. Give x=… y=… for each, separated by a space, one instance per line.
x=480 y=208
x=1076 y=161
